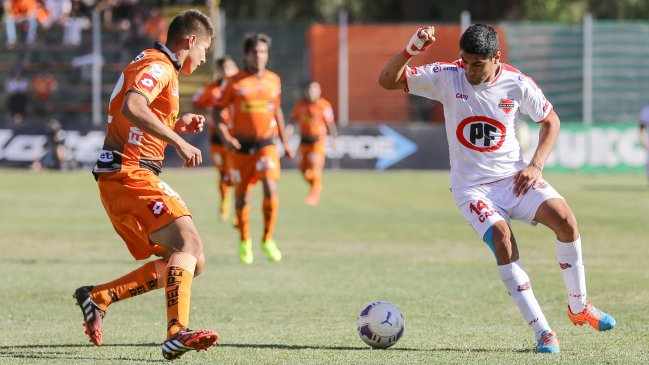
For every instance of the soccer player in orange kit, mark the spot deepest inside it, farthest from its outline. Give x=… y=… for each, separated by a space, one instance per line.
x=253 y=96
x=204 y=99
x=315 y=117
x=144 y=210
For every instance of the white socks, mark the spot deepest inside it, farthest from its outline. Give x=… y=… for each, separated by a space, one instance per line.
x=572 y=267
x=519 y=287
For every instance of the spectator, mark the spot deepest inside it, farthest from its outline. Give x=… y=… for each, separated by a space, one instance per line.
x=55 y=156
x=58 y=12
x=78 y=20
x=18 y=12
x=155 y=26
x=16 y=89
x=44 y=85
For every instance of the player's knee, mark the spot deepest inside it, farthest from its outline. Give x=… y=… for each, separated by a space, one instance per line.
x=200 y=264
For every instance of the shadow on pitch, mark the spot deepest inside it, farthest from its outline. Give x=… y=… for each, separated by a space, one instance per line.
x=50 y=352
x=358 y=348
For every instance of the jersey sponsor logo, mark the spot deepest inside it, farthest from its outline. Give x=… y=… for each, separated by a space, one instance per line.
x=158 y=207
x=135 y=136
x=147 y=82
x=506 y=105
x=462 y=96
x=481 y=133
x=436 y=68
x=256 y=106
x=156 y=71
x=106 y=156
x=449 y=68
x=139 y=57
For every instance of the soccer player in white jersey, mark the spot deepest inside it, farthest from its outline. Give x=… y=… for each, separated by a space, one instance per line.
x=490 y=181
x=644 y=133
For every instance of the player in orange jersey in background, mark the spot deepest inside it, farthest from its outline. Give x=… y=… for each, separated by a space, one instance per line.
x=253 y=96
x=204 y=99
x=315 y=117
x=144 y=210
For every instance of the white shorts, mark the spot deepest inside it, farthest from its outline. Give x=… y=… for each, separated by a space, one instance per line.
x=484 y=205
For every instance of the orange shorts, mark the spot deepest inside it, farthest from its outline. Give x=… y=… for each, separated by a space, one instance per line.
x=138 y=202
x=220 y=159
x=246 y=169
x=313 y=155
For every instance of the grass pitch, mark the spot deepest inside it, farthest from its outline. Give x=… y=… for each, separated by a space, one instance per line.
x=394 y=236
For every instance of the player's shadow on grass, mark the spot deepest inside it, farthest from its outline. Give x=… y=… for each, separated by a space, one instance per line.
x=50 y=352
x=46 y=351
x=357 y=348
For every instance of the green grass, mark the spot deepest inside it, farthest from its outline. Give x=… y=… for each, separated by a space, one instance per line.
x=394 y=236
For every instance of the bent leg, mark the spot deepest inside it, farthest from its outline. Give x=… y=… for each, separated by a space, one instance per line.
x=514 y=277
x=184 y=247
x=556 y=214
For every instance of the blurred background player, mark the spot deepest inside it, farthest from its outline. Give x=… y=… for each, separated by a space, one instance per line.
x=204 y=100
x=55 y=156
x=315 y=119
x=490 y=181
x=253 y=96
x=144 y=210
x=644 y=134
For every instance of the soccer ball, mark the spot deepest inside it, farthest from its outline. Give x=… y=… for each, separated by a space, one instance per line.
x=380 y=324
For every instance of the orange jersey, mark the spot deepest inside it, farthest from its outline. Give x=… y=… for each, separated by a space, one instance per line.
x=154 y=75
x=209 y=95
x=313 y=117
x=252 y=102
x=44 y=85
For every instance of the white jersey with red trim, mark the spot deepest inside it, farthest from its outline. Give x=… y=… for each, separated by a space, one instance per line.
x=480 y=119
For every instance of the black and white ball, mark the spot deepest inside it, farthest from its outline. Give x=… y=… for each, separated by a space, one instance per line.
x=380 y=324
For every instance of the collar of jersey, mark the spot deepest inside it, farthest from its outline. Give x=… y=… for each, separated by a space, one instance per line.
x=162 y=48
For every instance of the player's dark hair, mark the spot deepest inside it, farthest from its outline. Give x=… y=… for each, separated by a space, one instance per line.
x=480 y=39
x=221 y=61
x=190 y=22
x=251 y=40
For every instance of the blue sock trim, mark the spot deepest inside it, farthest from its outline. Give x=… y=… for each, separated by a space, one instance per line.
x=488 y=239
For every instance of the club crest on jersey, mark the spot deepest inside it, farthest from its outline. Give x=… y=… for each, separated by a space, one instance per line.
x=481 y=133
x=506 y=105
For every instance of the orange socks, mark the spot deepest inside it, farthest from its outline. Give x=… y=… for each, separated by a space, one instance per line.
x=270 y=216
x=178 y=283
x=149 y=276
x=243 y=217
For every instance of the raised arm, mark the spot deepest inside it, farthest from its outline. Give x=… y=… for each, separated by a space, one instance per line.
x=391 y=77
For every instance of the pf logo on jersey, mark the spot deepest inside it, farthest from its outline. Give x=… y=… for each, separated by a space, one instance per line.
x=481 y=133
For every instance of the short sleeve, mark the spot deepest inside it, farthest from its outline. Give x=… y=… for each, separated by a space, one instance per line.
x=534 y=104
x=327 y=112
x=424 y=80
x=228 y=94
x=152 y=79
